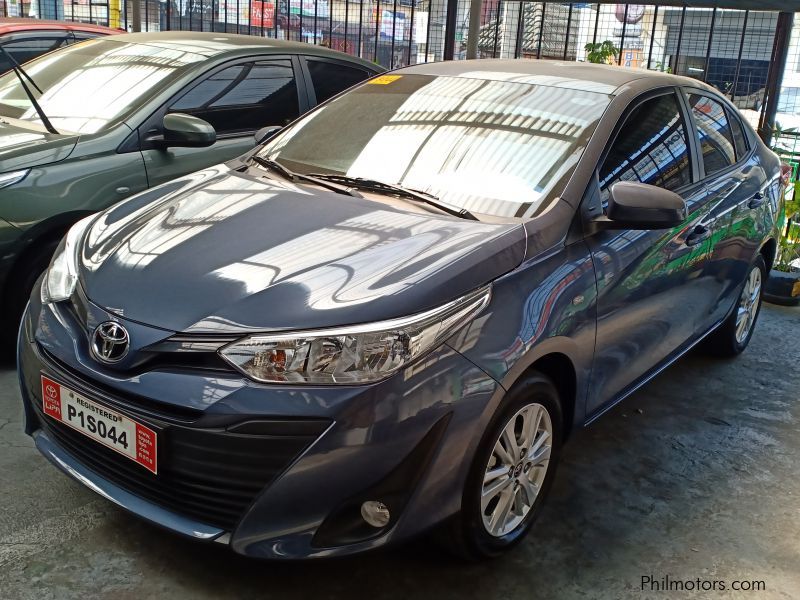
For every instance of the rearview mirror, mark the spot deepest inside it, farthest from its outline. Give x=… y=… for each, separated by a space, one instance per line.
x=634 y=205
x=187 y=131
x=263 y=134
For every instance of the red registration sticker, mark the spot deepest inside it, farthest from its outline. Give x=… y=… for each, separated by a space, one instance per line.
x=120 y=433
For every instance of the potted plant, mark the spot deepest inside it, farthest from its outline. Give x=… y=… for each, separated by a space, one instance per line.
x=783 y=284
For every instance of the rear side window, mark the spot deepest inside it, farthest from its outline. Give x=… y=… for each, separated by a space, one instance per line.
x=330 y=78
x=245 y=97
x=23 y=50
x=651 y=147
x=739 y=138
x=714 y=130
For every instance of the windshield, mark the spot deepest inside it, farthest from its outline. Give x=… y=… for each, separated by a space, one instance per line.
x=90 y=86
x=493 y=147
x=789 y=101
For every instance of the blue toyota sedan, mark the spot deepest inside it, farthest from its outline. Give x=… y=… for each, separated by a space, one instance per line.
x=390 y=316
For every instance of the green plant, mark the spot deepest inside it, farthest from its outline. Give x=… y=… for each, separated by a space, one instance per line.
x=660 y=66
x=789 y=244
x=601 y=52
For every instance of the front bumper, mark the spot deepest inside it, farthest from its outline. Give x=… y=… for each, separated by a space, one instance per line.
x=275 y=471
x=122 y=497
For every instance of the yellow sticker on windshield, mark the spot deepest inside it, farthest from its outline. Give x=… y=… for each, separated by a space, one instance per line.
x=384 y=79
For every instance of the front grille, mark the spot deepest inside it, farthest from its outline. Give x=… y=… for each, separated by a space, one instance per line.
x=210 y=475
x=153 y=409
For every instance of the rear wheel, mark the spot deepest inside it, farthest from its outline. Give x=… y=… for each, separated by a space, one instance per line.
x=732 y=337
x=512 y=472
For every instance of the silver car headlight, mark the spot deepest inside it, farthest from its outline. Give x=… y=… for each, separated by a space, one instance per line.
x=12 y=177
x=353 y=354
x=62 y=274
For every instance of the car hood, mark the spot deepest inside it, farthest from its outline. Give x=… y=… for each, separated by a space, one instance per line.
x=24 y=145
x=223 y=251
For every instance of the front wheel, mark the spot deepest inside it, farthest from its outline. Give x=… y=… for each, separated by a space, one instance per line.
x=512 y=472
x=733 y=336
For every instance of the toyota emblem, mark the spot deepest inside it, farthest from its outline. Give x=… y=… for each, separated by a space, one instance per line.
x=110 y=342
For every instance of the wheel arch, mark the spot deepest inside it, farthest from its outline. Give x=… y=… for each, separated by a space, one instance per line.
x=554 y=358
x=47 y=231
x=559 y=368
x=769 y=250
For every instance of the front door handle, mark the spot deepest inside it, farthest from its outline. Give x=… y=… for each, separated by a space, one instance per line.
x=700 y=233
x=756 y=200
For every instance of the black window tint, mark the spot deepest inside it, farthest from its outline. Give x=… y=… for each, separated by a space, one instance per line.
x=650 y=148
x=716 y=141
x=23 y=50
x=244 y=98
x=330 y=78
x=739 y=139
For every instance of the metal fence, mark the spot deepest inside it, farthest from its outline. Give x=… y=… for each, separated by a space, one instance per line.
x=730 y=49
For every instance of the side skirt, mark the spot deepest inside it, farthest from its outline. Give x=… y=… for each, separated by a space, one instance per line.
x=651 y=375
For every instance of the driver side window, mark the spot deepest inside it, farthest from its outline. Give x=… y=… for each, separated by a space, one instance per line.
x=244 y=98
x=651 y=147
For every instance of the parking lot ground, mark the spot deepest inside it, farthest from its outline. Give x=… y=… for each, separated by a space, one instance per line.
x=695 y=477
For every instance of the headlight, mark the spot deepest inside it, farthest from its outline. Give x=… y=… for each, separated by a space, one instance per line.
x=354 y=354
x=62 y=274
x=7 y=179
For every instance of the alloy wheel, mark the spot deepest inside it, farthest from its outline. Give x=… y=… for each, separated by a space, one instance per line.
x=748 y=305
x=516 y=469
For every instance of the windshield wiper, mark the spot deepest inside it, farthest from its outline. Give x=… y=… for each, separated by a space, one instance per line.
x=22 y=75
x=398 y=190
x=292 y=176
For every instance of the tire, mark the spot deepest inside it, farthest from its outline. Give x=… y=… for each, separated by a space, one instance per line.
x=20 y=287
x=728 y=340
x=467 y=534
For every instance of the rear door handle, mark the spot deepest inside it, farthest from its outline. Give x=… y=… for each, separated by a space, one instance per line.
x=700 y=233
x=756 y=200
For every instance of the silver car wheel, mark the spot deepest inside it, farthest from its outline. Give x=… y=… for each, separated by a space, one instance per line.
x=748 y=305
x=516 y=469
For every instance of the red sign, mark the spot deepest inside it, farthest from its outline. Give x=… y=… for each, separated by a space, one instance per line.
x=262 y=14
x=51 y=398
x=146 y=447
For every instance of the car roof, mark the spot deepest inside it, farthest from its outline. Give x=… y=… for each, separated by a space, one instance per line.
x=213 y=44
x=11 y=25
x=567 y=74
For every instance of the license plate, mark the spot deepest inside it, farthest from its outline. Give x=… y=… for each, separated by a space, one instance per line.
x=110 y=428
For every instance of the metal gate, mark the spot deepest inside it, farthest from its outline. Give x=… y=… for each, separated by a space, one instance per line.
x=729 y=49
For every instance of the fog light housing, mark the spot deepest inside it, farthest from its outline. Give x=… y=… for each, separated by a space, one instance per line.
x=375 y=513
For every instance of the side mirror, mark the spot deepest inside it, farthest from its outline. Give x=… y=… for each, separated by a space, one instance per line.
x=187 y=131
x=641 y=206
x=263 y=134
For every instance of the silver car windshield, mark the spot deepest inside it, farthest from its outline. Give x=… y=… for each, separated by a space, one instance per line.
x=497 y=147
x=88 y=86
